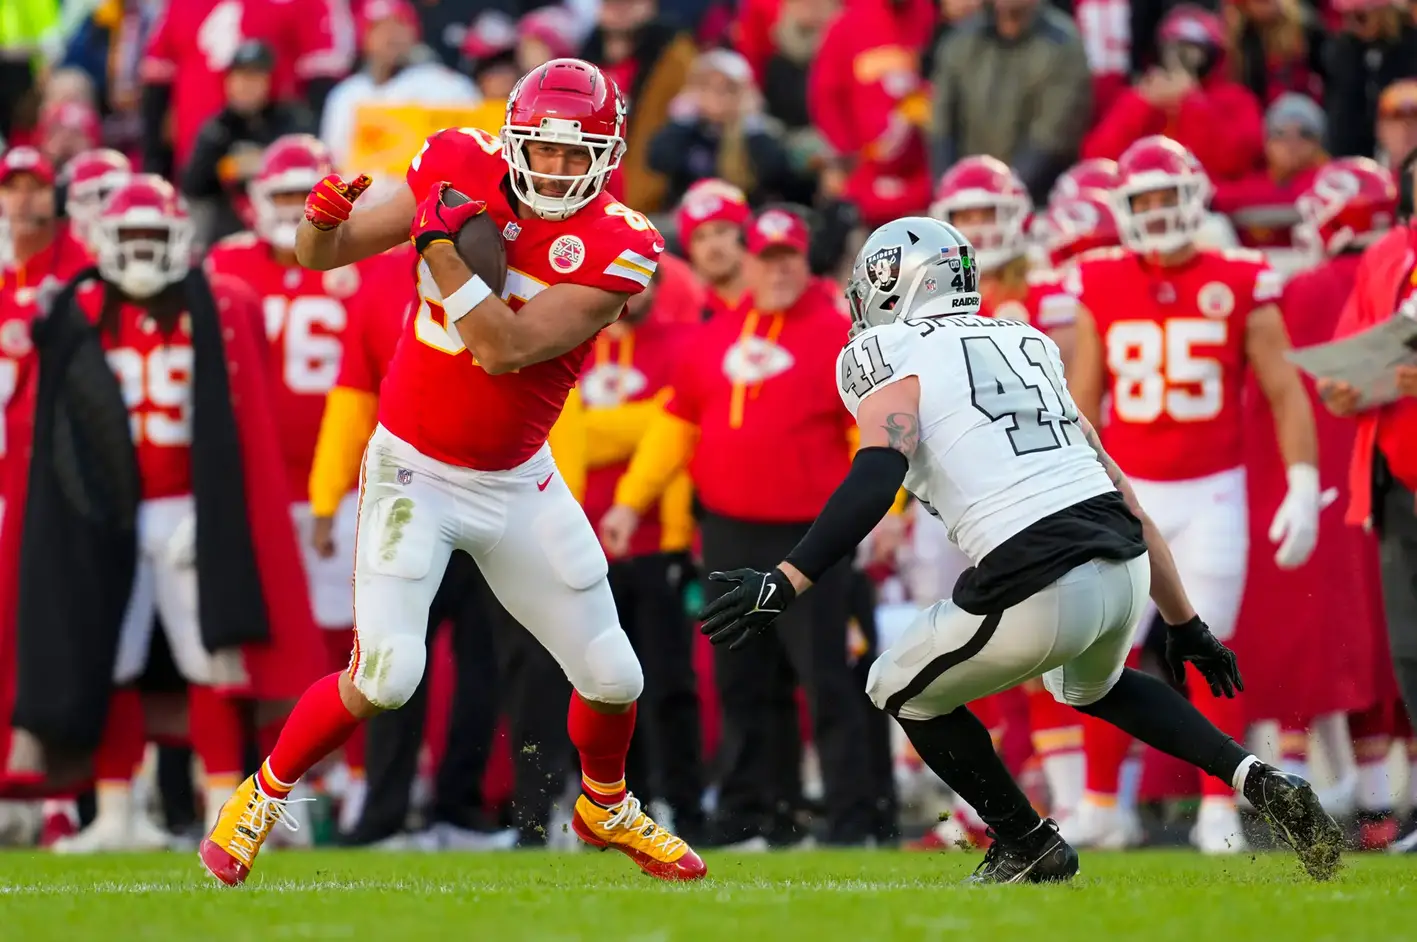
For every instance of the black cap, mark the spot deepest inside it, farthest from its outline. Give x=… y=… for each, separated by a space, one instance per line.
x=253 y=54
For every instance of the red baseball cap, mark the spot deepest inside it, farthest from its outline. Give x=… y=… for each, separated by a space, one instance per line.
x=710 y=201
x=776 y=228
x=376 y=11
x=26 y=160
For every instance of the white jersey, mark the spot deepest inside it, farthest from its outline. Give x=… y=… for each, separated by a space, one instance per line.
x=1000 y=448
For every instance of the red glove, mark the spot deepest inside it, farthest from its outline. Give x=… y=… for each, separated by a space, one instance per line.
x=436 y=221
x=331 y=199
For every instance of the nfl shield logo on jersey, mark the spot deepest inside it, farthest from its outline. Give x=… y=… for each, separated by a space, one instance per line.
x=403 y=475
x=566 y=254
x=510 y=231
x=1216 y=299
x=883 y=267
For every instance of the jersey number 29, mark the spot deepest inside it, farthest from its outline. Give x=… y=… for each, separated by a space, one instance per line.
x=1038 y=413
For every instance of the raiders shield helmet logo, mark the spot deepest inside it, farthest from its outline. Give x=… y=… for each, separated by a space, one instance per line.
x=883 y=267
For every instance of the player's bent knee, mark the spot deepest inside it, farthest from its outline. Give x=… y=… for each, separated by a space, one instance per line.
x=1076 y=695
x=883 y=682
x=389 y=670
x=610 y=672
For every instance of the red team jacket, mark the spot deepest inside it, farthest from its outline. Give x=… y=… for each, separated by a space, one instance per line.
x=436 y=397
x=304 y=314
x=1173 y=344
x=1311 y=639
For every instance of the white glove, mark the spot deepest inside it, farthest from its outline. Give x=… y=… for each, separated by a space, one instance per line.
x=182 y=544
x=1296 y=523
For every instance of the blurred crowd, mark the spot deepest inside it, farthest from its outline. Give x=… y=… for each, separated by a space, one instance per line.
x=764 y=136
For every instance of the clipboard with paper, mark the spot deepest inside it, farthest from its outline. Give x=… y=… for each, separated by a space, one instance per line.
x=1367 y=361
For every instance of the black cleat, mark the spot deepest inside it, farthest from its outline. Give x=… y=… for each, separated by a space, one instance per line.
x=1041 y=857
x=1292 y=810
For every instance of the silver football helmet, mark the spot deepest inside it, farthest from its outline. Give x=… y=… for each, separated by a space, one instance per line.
x=913 y=267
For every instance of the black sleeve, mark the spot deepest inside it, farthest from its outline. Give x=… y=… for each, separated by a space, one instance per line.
x=669 y=149
x=200 y=179
x=157 y=154
x=768 y=156
x=316 y=91
x=852 y=512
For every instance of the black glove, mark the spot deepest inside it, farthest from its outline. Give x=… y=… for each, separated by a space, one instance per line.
x=1193 y=642
x=743 y=612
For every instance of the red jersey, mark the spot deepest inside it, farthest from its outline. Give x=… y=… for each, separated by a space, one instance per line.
x=1046 y=303
x=436 y=397
x=376 y=322
x=20 y=289
x=1173 y=342
x=304 y=314
x=192 y=43
x=155 y=374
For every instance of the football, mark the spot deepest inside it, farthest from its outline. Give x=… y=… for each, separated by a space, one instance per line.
x=479 y=244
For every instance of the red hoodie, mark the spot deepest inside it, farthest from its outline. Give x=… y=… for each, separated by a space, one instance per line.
x=1220 y=122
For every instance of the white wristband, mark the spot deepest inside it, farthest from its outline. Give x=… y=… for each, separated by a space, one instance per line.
x=472 y=293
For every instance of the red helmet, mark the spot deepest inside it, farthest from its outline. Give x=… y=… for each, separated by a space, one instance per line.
x=88 y=179
x=983 y=183
x=1350 y=203
x=1156 y=164
x=571 y=102
x=1077 y=224
x=142 y=237
x=291 y=165
x=1095 y=173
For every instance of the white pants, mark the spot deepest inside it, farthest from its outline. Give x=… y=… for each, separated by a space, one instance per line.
x=1205 y=521
x=1075 y=634
x=331 y=580
x=163 y=588
x=529 y=537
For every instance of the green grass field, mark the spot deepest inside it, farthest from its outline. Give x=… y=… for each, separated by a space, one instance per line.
x=1155 y=896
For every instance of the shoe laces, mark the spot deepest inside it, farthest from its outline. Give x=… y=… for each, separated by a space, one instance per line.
x=261 y=814
x=992 y=855
x=629 y=816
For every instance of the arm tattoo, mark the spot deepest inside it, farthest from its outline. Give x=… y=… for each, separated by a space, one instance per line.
x=1114 y=473
x=902 y=432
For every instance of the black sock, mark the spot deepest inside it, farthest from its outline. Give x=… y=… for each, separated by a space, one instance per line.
x=958 y=749
x=1163 y=719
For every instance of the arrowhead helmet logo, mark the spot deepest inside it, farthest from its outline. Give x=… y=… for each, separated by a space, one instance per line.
x=883 y=267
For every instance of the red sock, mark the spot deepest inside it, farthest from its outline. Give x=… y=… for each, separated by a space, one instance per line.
x=217 y=732
x=602 y=739
x=1106 y=748
x=317 y=726
x=124 y=739
x=1228 y=715
x=1293 y=745
x=339 y=642
x=1056 y=726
